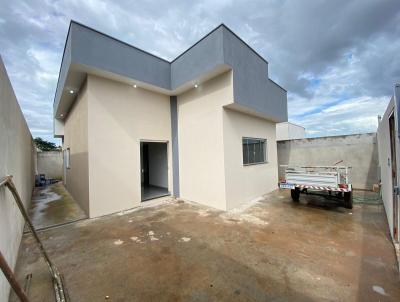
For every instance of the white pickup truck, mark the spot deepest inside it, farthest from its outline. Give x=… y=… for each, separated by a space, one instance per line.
x=331 y=179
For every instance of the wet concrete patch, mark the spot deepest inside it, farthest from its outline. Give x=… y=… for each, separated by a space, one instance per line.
x=53 y=205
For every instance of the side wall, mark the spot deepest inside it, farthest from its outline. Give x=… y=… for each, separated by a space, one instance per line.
x=359 y=151
x=296 y=132
x=76 y=139
x=385 y=159
x=201 y=150
x=120 y=116
x=50 y=163
x=287 y=131
x=282 y=131
x=244 y=183
x=17 y=155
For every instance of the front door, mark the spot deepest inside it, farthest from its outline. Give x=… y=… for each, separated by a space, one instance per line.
x=154 y=169
x=394 y=176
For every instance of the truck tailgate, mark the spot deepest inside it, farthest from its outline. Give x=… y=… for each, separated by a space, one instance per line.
x=313 y=179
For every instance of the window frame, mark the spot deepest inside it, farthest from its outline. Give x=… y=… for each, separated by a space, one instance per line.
x=264 y=153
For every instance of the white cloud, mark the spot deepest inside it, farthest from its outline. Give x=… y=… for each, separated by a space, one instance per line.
x=356 y=115
x=338 y=59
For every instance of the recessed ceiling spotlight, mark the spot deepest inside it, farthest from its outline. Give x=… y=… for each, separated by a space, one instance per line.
x=196 y=85
x=71 y=91
x=134 y=86
x=61 y=115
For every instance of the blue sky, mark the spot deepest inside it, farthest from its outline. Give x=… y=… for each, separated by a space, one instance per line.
x=339 y=60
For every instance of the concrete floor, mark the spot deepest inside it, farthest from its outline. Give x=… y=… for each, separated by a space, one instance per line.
x=275 y=250
x=52 y=205
x=151 y=192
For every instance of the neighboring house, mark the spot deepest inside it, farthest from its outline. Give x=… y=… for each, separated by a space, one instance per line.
x=287 y=131
x=389 y=162
x=137 y=127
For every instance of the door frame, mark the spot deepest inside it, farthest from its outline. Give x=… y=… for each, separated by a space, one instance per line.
x=394 y=176
x=140 y=162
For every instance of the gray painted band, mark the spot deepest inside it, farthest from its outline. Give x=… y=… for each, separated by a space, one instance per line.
x=175 y=144
x=89 y=49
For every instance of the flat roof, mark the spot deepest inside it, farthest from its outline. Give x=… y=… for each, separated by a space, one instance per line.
x=149 y=53
x=90 y=51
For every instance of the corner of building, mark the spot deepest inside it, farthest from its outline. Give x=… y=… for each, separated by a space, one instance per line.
x=248 y=182
x=201 y=162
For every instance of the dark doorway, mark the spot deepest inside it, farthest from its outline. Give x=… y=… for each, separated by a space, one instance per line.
x=154 y=170
x=145 y=165
x=394 y=175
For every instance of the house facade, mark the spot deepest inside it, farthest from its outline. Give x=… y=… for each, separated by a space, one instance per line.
x=136 y=127
x=389 y=158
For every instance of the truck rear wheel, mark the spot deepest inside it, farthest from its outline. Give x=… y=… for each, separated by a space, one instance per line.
x=348 y=200
x=295 y=193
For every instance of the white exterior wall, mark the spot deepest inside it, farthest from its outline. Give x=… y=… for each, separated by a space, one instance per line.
x=120 y=116
x=385 y=158
x=210 y=148
x=245 y=183
x=76 y=177
x=201 y=150
x=211 y=168
x=17 y=153
x=288 y=131
x=58 y=128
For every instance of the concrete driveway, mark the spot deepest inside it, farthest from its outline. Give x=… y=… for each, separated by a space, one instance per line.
x=275 y=250
x=53 y=205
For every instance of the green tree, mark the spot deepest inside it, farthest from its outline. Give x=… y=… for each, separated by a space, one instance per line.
x=45 y=145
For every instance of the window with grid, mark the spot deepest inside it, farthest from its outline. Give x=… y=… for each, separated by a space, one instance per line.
x=254 y=151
